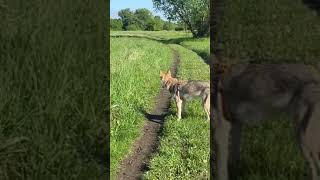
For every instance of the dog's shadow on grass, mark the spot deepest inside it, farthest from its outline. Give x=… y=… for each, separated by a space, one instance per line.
x=154 y=117
x=161 y=118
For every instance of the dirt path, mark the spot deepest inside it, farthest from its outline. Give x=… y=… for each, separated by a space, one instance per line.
x=137 y=162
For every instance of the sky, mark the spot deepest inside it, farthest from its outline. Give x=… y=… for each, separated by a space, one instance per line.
x=116 y=5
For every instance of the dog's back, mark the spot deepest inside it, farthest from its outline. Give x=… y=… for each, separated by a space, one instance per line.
x=193 y=88
x=257 y=91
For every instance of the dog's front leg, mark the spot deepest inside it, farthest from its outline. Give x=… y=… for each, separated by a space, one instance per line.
x=206 y=106
x=179 y=106
x=222 y=129
x=183 y=111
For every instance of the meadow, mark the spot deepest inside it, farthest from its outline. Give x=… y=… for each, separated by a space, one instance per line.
x=184 y=148
x=184 y=38
x=136 y=59
x=276 y=31
x=156 y=35
x=269 y=31
x=135 y=67
x=53 y=90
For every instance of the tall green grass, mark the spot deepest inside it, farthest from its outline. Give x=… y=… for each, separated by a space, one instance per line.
x=271 y=151
x=269 y=31
x=135 y=67
x=184 y=148
x=52 y=93
x=200 y=46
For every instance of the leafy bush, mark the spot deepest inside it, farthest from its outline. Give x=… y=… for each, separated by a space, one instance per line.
x=116 y=24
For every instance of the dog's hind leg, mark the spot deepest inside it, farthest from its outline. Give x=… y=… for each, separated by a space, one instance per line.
x=309 y=127
x=183 y=107
x=309 y=138
x=311 y=154
x=206 y=105
x=221 y=132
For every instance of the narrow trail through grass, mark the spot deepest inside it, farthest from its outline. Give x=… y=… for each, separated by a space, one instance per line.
x=134 y=165
x=135 y=65
x=184 y=147
x=186 y=134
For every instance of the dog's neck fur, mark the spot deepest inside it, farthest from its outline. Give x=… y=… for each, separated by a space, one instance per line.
x=172 y=84
x=172 y=81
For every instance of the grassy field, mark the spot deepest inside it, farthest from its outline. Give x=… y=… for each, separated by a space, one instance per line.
x=151 y=51
x=201 y=46
x=270 y=152
x=269 y=31
x=156 y=35
x=135 y=67
x=184 y=149
x=53 y=90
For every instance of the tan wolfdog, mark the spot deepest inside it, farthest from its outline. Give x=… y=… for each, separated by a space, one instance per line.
x=252 y=93
x=184 y=90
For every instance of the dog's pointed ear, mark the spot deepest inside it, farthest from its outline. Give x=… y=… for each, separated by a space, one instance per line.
x=161 y=74
x=169 y=73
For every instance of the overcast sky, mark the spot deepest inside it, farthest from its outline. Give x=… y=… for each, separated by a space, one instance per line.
x=116 y=5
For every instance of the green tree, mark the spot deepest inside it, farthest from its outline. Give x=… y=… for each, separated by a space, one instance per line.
x=129 y=20
x=158 y=23
x=168 y=26
x=194 y=13
x=144 y=19
x=133 y=27
x=116 y=24
x=181 y=26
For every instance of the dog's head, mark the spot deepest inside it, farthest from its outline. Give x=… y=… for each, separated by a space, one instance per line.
x=166 y=78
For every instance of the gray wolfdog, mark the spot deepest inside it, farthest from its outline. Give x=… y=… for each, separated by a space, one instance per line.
x=251 y=93
x=183 y=90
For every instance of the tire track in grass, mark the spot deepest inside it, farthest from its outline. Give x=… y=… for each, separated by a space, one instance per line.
x=134 y=166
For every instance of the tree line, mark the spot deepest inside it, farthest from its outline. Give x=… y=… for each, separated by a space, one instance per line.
x=192 y=15
x=142 y=19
